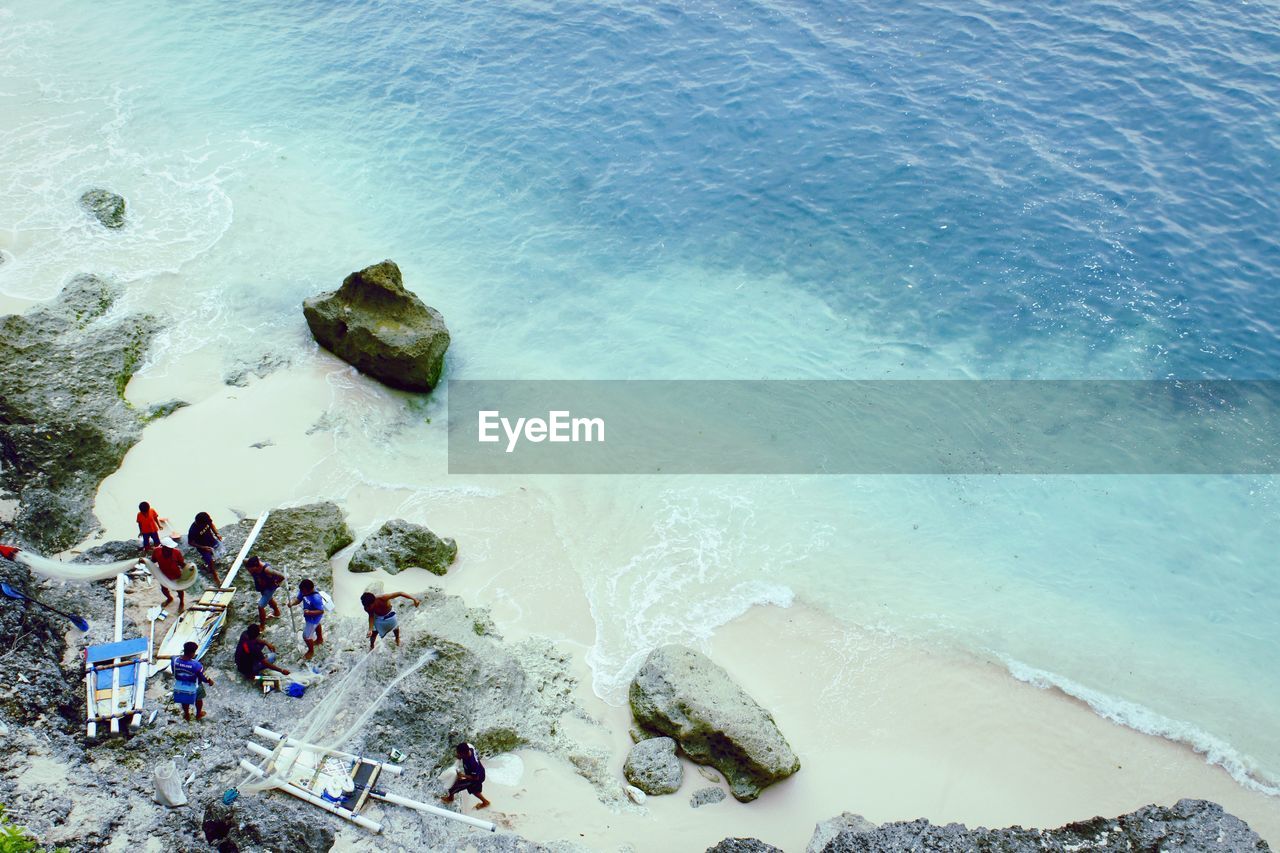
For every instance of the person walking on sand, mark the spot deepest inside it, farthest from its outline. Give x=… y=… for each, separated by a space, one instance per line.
x=382 y=616
x=254 y=654
x=312 y=613
x=203 y=535
x=171 y=563
x=189 y=681
x=266 y=581
x=470 y=775
x=149 y=522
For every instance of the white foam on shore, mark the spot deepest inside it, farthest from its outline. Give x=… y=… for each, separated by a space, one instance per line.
x=1131 y=715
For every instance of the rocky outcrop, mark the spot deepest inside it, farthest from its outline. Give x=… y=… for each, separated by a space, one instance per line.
x=828 y=829
x=495 y=695
x=682 y=694
x=64 y=422
x=107 y=207
x=399 y=545
x=253 y=823
x=652 y=766
x=300 y=540
x=743 y=845
x=1195 y=826
x=373 y=323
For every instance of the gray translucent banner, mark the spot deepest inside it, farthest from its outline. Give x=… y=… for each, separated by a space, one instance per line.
x=864 y=427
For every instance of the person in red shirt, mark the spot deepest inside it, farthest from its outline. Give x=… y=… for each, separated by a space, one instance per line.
x=149 y=522
x=171 y=563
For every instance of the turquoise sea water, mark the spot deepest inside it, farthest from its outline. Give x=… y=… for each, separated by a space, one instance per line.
x=737 y=190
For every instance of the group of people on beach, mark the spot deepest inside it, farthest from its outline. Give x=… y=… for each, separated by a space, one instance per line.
x=254 y=654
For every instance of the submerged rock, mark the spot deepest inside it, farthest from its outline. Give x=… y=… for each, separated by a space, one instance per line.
x=64 y=422
x=373 y=323
x=1194 y=826
x=682 y=694
x=652 y=766
x=706 y=796
x=106 y=206
x=398 y=545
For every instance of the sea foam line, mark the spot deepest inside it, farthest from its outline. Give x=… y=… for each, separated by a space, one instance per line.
x=1142 y=719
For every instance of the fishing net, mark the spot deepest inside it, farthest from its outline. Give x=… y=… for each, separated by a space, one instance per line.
x=327 y=727
x=80 y=572
x=188 y=577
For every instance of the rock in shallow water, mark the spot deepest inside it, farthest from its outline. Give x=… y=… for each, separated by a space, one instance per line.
x=373 y=323
x=652 y=766
x=706 y=796
x=399 y=544
x=681 y=693
x=105 y=205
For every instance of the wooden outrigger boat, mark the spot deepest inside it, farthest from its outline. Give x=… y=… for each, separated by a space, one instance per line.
x=341 y=783
x=115 y=677
x=201 y=622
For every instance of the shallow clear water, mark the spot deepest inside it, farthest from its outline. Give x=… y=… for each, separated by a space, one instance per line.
x=735 y=190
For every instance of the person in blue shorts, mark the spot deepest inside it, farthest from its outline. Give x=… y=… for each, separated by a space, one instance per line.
x=470 y=775
x=382 y=616
x=312 y=613
x=266 y=581
x=189 y=681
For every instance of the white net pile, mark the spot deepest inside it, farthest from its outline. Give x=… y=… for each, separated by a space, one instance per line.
x=328 y=726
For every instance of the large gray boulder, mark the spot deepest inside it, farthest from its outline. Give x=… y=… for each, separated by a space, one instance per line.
x=652 y=766
x=64 y=422
x=1189 y=826
x=375 y=324
x=399 y=544
x=682 y=694
x=828 y=829
x=107 y=207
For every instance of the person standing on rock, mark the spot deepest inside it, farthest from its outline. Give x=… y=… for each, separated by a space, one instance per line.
x=189 y=681
x=470 y=775
x=312 y=613
x=203 y=535
x=266 y=581
x=149 y=522
x=171 y=563
x=382 y=616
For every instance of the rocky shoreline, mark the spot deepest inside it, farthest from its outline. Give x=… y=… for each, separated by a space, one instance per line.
x=65 y=425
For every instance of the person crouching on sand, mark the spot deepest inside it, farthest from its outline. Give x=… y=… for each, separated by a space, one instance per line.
x=470 y=775
x=266 y=581
x=382 y=616
x=189 y=681
x=171 y=563
x=312 y=613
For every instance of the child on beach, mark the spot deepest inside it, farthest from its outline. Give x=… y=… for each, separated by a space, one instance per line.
x=149 y=522
x=382 y=616
x=312 y=613
x=171 y=563
x=266 y=581
x=470 y=775
x=189 y=681
x=203 y=535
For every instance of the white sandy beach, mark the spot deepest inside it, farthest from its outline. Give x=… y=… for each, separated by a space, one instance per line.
x=886 y=729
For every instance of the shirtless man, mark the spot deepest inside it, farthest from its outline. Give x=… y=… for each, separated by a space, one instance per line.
x=382 y=616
